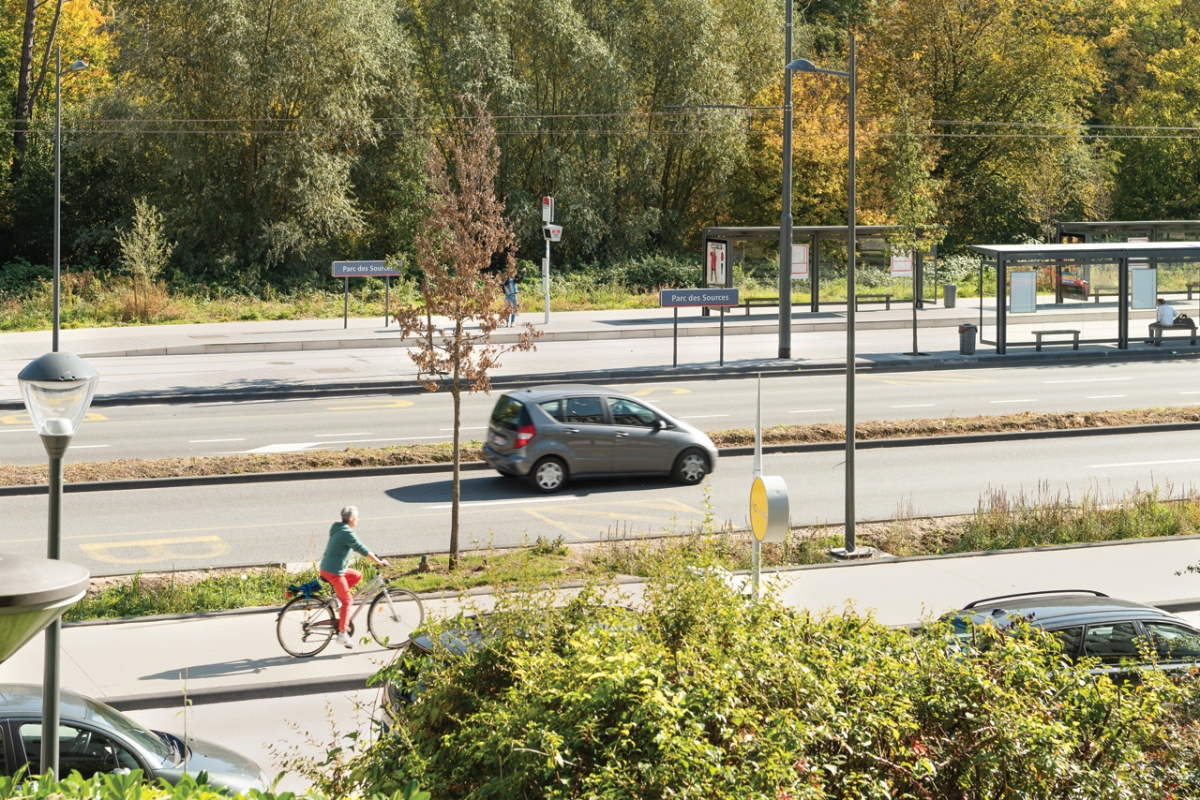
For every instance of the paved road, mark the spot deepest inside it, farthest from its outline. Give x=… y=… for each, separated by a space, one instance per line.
x=187 y=528
x=181 y=430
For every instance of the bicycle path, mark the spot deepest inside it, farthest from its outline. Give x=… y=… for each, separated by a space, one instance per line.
x=224 y=657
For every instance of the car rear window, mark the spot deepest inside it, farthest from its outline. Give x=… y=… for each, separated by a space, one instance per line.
x=553 y=408
x=1069 y=638
x=507 y=413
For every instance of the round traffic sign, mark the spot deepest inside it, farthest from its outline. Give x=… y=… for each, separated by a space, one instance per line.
x=769 y=512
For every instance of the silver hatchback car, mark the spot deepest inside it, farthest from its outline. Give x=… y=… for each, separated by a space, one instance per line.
x=551 y=433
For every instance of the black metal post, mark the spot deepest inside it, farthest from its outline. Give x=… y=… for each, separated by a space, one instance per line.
x=814 y=271
x=56 y=448
x=387 y=300
x=785 y=216
x=57 y=201
x=1001 y=305
x=722 y=360
x=675 y=340
x=1122 y=303
x=346 y=306
x=851 y=250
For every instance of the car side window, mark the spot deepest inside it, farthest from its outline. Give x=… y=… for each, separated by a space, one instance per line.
x=79 y=749
x=1111 y=643
x=584 y=411
x=553 y=408
x=1173 y=642
x=1069 y=638
x=627 y=412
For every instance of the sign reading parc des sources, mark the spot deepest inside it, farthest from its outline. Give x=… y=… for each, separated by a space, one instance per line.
x=364 y=269
x=679 y=298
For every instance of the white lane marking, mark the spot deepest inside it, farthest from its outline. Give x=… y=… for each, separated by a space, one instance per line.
x=812 y=411
x=916 y=405
x=17 y=430
x=508 y=502
x=481 y=428
x=89 y=446
x=353 y=433
x=706 y=416
x=208 y=441
x=1027 y=400
x=297 y=446
x=1189 y=392
x=1090 y=380
x=1145 y=463
x=1104 y=396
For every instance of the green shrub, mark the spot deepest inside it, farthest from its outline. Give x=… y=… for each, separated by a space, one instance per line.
x=133 y=787
x=707 y=694
x=20 y=278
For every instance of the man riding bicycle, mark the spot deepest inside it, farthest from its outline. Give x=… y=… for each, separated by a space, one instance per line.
x=343 y=542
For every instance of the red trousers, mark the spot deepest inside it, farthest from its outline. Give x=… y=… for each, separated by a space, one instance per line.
x=342 y=584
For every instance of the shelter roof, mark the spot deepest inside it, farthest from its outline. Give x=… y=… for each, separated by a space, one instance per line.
x=1105 y=251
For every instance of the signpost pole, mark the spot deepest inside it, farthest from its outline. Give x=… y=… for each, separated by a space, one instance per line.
x=722 y=361
x=675 y=340
x=546 y=281
x=387 y=300
x=756 y=552
x=346 y=305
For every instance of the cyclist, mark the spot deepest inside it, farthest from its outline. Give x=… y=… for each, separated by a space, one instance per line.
x=342 y=542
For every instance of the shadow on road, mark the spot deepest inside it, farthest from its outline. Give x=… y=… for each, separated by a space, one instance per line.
x=495 y=487
x=250 y=666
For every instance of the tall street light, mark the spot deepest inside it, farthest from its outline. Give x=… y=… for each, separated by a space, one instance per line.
x=785 y=214
x=57 y=389
x=78 y=66
x=850 y=550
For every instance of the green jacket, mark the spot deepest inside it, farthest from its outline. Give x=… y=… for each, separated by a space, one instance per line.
x=342 y=542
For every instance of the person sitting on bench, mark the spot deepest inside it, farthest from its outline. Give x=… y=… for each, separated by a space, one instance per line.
x=1165 y=319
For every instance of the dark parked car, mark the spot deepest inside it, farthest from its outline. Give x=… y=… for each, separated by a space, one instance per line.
x=93 y=737
x=553 y=433
x=1090 y=624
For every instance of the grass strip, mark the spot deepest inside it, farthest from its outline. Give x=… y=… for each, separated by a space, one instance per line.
x=1001 y=522
x=441 y=453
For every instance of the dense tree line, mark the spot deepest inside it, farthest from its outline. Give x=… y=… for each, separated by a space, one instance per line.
x=274 y=135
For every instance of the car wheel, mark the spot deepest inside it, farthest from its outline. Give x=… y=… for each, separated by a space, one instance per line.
x=548 y=475
x=691 y=467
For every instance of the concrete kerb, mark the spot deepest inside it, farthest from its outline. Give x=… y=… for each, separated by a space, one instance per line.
x=423 y=469
x=357 y=682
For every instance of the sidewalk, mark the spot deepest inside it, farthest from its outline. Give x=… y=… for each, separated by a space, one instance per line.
x=142 y=664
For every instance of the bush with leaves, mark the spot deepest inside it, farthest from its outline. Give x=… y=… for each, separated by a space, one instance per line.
x=132 y=787
x=707 y=694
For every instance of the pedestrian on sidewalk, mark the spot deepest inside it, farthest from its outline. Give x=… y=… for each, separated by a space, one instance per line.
x=335 y=569
x=511 y=299
x=1165 y=319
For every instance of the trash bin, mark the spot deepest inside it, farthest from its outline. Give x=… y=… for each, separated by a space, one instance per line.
x=949 y=294
x=966 y=339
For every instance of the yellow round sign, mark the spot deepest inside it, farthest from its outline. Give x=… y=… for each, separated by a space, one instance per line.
x=769 y=512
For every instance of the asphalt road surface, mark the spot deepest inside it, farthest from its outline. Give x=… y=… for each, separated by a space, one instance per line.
x=232 y=525
x=167 y=431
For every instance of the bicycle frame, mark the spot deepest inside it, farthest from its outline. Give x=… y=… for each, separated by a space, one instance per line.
x=359 y=598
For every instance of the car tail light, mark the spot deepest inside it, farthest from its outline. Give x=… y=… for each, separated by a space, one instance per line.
x=525 y=434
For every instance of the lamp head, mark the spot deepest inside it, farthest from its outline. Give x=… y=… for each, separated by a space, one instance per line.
x=804 y=65
x=78 y=66
x=57 y=389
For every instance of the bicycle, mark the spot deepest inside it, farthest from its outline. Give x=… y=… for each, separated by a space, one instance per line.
x=308 y=622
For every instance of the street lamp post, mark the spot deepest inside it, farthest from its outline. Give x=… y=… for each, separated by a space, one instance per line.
x=850 y=550
x=785 y=214
x=78 y=66
x=57 y=389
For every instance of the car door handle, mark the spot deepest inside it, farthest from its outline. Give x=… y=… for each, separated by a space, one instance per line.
x=571 y=430
x=622 y=433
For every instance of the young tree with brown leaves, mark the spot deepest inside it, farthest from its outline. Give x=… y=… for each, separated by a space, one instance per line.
x=457 y=245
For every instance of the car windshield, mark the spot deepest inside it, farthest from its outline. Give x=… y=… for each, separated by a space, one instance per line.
x=115 y=720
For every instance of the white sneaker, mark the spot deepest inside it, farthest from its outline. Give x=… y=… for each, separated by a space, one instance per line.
x=344 y=640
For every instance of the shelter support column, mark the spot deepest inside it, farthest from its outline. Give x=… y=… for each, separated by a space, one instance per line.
x=814 y=273
x=1001 y=306
x=1123 y=303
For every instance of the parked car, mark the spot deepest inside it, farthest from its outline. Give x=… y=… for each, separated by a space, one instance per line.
x=553 y=433
x=1090 y=624
x=93 y=737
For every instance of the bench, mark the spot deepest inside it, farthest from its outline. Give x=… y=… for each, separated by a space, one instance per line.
x=1073 y=334
x=759 y=301
x=1191 y=287
x=886 y=299
x=1188 y=325
x=1100 y=291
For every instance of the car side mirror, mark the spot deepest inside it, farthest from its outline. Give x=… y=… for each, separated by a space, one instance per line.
x=660 y=424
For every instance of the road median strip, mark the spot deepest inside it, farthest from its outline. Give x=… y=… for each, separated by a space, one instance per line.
x=125 y=474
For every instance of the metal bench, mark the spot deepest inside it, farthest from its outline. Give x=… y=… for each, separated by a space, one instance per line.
x=886 y=299
x=759 y=301
x=1100 y=291
x=1072 y=333
x=1188 y=325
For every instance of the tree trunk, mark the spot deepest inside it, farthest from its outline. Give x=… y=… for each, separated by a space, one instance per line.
x=24 y=107
x=456 y=392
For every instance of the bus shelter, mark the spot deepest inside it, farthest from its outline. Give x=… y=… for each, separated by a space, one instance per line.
x=822 y=254
x=1171 y=276
x=1011 y=275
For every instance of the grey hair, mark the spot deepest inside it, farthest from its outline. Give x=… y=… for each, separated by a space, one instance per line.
x=348 y=512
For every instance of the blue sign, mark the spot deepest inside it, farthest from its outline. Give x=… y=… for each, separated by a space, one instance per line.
x=364 y=269
x=675 y=298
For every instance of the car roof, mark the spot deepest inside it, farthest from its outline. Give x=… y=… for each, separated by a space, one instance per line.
x=537 y=393
x=22 y=698
x=1054 y=611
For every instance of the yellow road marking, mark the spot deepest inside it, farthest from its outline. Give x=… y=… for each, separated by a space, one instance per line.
x=392 y=404
x=558 y=525
x=153 y=550
x=23 y=419
x=671 y=389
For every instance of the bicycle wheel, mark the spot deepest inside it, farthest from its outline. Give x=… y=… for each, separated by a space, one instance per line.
x=393 y=616
x=305 y=626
